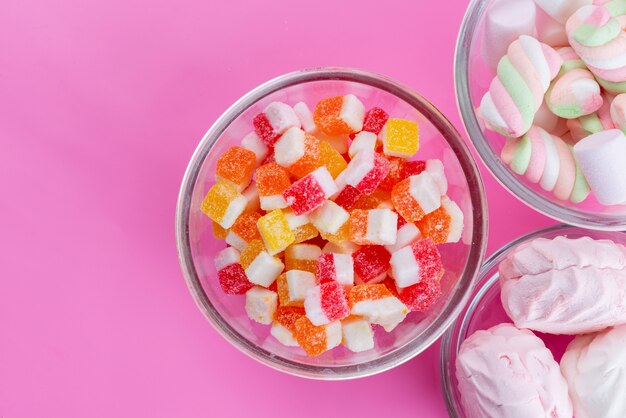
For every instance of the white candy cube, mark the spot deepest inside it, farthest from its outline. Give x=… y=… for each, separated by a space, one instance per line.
x=264 y=269
x=329 y=218
x=357 y=334
x=261 y=304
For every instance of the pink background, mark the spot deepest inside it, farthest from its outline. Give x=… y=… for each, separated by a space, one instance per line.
x=101 y=105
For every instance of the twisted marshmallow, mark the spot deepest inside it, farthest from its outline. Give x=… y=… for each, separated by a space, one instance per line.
x=516 y=93
x=590 y=124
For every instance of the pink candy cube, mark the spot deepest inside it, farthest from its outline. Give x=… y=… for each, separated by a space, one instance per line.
x=417 y=262
x=371 y=263
x=274 y=121
x=364 y=172
x=310 y=192
x=335 y=267
x=326 y=303
x=230 y=273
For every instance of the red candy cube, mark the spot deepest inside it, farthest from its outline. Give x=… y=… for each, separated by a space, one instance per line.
x=230 y=273
x=264 y=129
x=326 y=303
x=374 y=120
x=348 y=197
x=412 y=168
x=310 y=192
x=364 y=172
x=371 y=263
x=421 y=296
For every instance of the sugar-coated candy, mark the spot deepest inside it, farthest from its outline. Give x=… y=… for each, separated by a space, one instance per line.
x=243 y=230
x=400 y=138
x=421 y=296
x=236 y=166
x=223 y=204
x=362 y=141
x=301 y=227
x=416 y=196
x=297 y=151
x=305 y=116
x=271 y=181
x=310 y=192
x=371 y=263
x=394 y=175
x=374 y=120
x=339 y=115
x=601 y=159
x=302 y=257
x=326 y=302
x=218 y=231
x=230 y=274
x=407 y=233
x=340 y=237
x=335 y=267
x=252 y=197
x=283 y=327
x=357 y=334
x=275 y=231
x=516 y=93
x=261 y=268
x=254 y=143
x=293 y=285
x=444 y=224
x=261 y=304
x=346 y=247
x=373 y=227
x=274 y=121
x=413 y=168
x=315 y=340
x=329 y=218
x=364 y=172
x=331 y=159
x=348 y=197
x=415 y=263
x=377 y=305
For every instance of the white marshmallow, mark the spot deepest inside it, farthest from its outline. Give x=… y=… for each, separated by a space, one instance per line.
x=505 y=21
x=601 y=159
x=313 y=306
x=264 y=269
x=386 y=311
x=290 y=147
x=362 y=141
x=261 y=304
x=405 y=268
x=437 y=171
x=352 y=112
x=382 y=226
x=281 y=117
x=549 y=31
x=298 y=283
x=269 y=203
x=253 y=143
x=561 y=10
x=405 y=236
x=235 y=240
x=358 y=334
x=252 y=197
x=344 y=269
x=226 y=257
x=283 y=335
x=325 y=181
x=329 y=218
x=305 y=116
x=425 y=192
x=234 y=209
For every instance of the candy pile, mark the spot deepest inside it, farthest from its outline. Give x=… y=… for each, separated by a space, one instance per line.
x=326 y=245
x=559 y=94
x=555 y=286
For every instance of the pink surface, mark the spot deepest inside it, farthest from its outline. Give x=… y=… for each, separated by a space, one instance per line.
x=101 y=105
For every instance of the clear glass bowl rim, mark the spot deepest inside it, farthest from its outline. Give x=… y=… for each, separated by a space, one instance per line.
x=475 y=256
x=597 y=221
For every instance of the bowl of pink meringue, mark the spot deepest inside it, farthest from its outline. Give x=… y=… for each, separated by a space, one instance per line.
x=545 y=332
x=541 y=87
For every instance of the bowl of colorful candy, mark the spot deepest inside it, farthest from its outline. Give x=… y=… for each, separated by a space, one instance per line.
x=544 y=334
x=330 y=224
x=540 y=84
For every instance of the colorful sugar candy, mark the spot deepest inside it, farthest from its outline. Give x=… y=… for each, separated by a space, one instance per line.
x=275 y=231
x=297 y=151
x=261 y=304
x=315 y=340
x=364 y=172
x=243 y=230
x=236 y=166
x=274 y=121
x=271 y=181
x=310 y=192
x=339 y=115
x=329 y=218
x=362 y=141
x=371 y=263
x=305 y=116
x=293 y=285
x=374 y=120
x=302 y=257
x=357 y=334
x=230 y=274
x=415 y=263
x=400 y=138
x=416 y=196
x=373 y=227
x=421 y=296
x=326 y=302
x=407 y=234
x=444 y=224
x=283 y=327
x=300 y=226
x=335 y=267
x=261 y=268
x=223 y=204
x=348 y=197
x=253 y=143
x=377 y=305
x=331 y=159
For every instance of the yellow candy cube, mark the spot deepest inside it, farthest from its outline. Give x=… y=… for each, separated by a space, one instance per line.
x=338 y=237
x=249 y=253
x=275 y=231
x=218 y=231
x=331 y=159
x=400 y=138
x=223 y=203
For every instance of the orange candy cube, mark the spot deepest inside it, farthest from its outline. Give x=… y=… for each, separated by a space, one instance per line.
x=236 y=166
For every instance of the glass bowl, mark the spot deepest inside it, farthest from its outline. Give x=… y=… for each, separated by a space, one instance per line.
x=197 y=246
x=485 y=309
x=472 y=79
